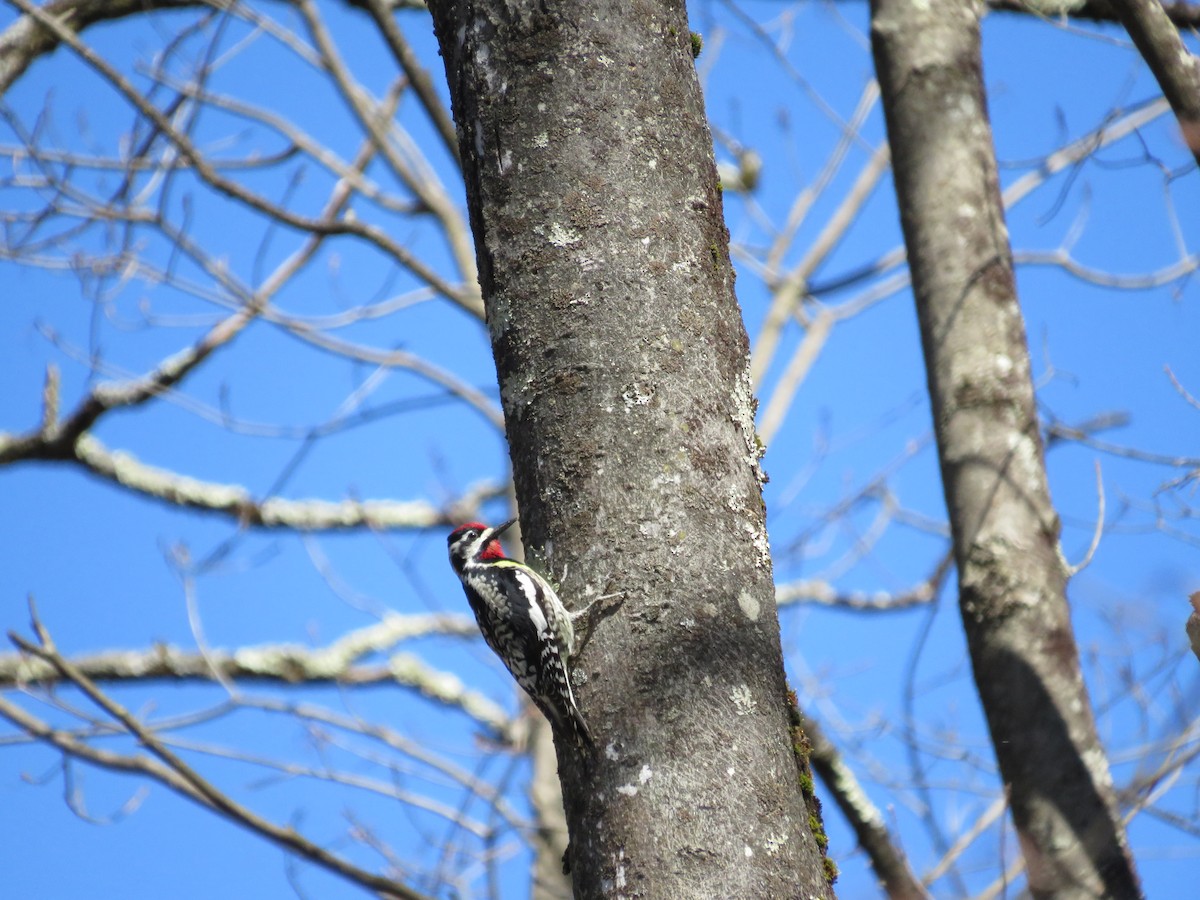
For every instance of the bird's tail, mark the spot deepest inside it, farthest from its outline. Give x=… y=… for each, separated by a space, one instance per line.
x=582 y=734
x=569 y=725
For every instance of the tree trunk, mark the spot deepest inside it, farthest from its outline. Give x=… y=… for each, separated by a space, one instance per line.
x=622 y=363
x=1011 y=575
x=549 y=845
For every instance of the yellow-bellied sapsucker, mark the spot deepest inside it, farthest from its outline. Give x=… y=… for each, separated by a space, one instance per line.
x=523 y=621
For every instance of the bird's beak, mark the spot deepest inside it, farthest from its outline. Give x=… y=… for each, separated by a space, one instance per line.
x=499 y=530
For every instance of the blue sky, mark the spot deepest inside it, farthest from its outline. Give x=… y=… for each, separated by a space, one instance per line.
x=100 y=560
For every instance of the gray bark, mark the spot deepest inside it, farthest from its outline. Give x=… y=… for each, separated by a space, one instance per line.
x=1011 y=575
x=623 y=368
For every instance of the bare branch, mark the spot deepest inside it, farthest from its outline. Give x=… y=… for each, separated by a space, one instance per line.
x=356 y=780
x=299 y=141
x=57 y=441
x=1181 y=390
x=26 y=40
x=399 y=359
x=176 y=773
x=1061 y=258
x=465 y=296
x=413 y=171
x=337 y=663
x=822 y=593
x=887 y=859
x=1097 y=532
x=236 y=501
x=790 y=287
x=967 y=837
x=1059 y=431
x=1116 y=126
x=1180 y=13
x=393 y=740
x=815 y=337
x=423 y=85
x=1177 y=70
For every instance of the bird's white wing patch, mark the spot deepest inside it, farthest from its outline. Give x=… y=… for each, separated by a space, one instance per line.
x=536 y=614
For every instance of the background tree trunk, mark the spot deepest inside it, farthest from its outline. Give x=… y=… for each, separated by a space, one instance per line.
x=622 y=363
x=1011 y=574
x=545 y=794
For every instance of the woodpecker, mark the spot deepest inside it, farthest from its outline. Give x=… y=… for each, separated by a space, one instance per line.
x=523 y=621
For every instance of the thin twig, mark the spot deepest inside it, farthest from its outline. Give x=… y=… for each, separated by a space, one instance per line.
x=343 y=226
x=188 y=781
x=1097 y=532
